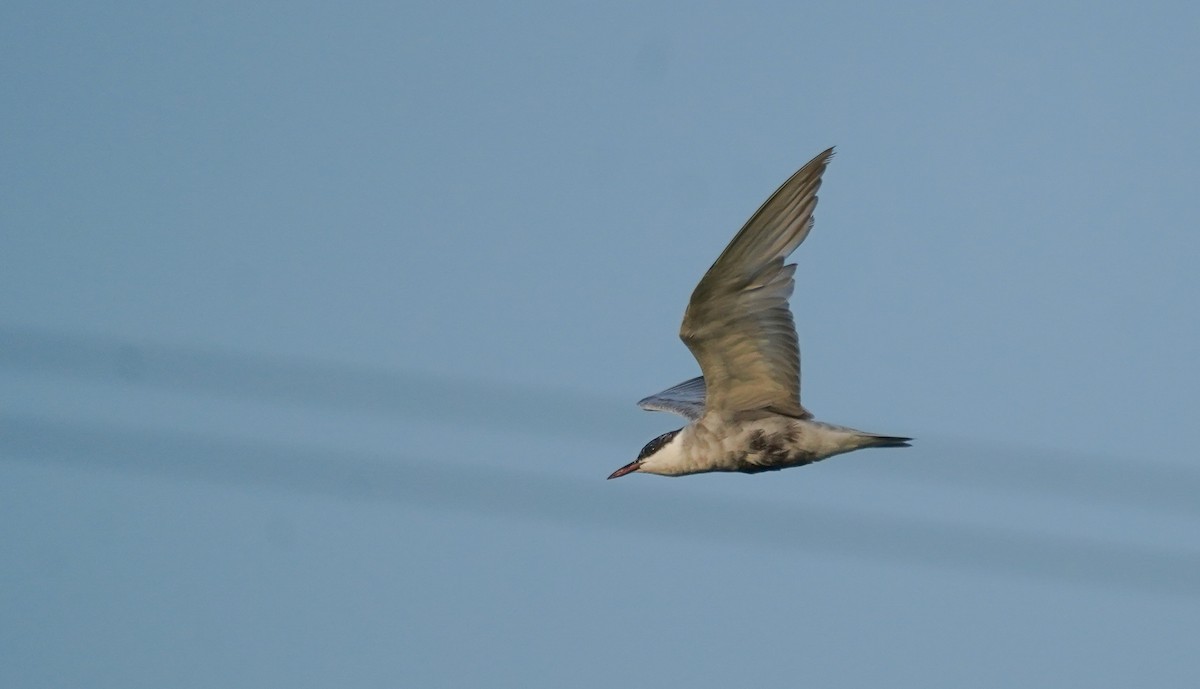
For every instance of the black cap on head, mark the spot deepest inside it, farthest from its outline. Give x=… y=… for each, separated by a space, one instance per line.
x=657 y=444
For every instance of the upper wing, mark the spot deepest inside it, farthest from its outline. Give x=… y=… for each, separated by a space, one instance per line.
x=738 y=325
x=685 y=399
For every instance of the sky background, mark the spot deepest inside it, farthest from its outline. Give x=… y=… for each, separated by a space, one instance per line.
x=322 y=324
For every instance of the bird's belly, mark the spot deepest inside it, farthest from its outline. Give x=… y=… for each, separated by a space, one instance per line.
x=769 y=448
x=771 y=458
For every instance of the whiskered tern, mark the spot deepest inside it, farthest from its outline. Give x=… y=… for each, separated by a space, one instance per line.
x=744 y=412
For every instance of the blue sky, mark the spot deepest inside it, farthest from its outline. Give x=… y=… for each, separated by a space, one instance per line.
x=320 y=327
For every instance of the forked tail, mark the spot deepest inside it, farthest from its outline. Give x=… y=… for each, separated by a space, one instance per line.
x=873 y=440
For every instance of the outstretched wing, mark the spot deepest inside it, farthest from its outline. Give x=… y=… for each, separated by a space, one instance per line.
x=738 y=324
x=685 y=399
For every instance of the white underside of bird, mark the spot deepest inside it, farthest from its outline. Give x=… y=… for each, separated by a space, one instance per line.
x=745 y=413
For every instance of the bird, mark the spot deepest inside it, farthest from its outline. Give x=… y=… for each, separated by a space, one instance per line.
x=744 y=412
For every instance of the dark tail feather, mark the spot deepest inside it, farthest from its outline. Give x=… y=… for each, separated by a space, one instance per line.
x=887 y=441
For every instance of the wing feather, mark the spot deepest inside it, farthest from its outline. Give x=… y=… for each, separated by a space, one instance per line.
x=685 y=399
x=738 y=324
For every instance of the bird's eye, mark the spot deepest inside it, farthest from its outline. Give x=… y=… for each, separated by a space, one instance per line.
x=648 y=449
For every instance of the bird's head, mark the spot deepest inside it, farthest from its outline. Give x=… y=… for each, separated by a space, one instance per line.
x=655 y=458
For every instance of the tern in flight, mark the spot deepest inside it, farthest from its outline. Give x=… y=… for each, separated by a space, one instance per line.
x=744 y=413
